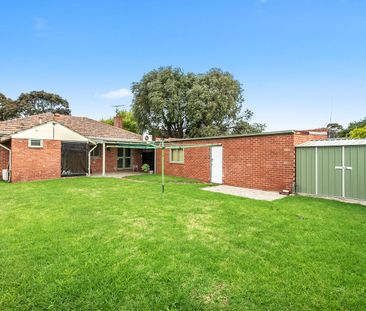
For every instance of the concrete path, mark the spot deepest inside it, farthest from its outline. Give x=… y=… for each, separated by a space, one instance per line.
x=246 y=192
x=117 y=174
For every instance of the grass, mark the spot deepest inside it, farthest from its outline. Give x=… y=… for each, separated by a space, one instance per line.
x=110 y=244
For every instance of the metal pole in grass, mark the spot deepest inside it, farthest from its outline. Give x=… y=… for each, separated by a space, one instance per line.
x=162 y=166
x=162 y=147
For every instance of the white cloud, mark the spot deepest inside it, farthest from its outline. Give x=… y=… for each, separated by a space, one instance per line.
x=120 y=93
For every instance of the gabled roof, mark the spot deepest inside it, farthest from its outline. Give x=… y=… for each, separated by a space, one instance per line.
x=84 y=126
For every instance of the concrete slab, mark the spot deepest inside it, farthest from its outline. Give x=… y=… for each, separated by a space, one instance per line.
x=345 y=200
x=246 y=192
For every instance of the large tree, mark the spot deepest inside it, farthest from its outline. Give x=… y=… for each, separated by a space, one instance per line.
x=334 y=130
x=160 y=102
x=40 y=102
x=169 y=103
x=8 y=108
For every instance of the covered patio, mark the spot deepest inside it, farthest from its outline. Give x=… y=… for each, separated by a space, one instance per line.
x=119 y=158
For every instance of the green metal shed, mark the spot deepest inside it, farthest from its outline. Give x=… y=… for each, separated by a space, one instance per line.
x=335 y=167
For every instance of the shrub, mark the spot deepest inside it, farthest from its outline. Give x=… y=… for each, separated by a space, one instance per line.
x=145 y=167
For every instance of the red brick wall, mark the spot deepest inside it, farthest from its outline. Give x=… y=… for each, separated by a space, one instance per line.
x=111 y=161
x=137 y=159
x=196 y=163
x=35 y=163
x=4 y=159
x=260 y=162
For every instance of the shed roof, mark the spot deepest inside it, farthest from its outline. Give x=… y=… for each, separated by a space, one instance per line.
x=333 y=142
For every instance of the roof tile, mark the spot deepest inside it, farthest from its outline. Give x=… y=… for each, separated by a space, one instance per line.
x=82 y=125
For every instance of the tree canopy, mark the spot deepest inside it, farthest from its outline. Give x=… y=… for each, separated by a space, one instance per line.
x=129 y=121
x=358 y=132
x=169 y=103
x=8 y=108
x=352 y=126
x=334 y=129
x=40 y=102
x=31 y=103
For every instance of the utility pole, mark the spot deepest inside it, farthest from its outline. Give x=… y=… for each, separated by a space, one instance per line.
x=162 y=166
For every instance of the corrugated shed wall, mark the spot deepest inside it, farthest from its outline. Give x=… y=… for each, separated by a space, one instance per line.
x=329 y=178
x=338 y=171
x=355 y=156
x=305 y=170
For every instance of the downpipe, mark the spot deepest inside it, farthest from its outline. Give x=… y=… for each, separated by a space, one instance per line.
x=89 y=157
x=9 y=162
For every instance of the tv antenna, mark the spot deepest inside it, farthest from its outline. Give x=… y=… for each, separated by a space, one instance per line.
x=331 y=110
x=117 y=106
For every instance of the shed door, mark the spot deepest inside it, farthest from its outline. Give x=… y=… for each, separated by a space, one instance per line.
x=329 y=176
x=355 y=172
x=216 y=164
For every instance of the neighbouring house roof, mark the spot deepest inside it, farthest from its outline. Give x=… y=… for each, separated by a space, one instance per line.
x=334 y=142
x=82 y=125
x=319 y=130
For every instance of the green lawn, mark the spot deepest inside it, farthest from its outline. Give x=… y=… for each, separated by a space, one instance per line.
x=109 y=244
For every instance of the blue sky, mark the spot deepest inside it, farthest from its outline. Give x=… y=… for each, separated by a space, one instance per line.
x=297 y=59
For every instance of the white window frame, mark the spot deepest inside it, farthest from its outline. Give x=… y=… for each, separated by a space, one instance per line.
x=170 y=156
x=31 y=146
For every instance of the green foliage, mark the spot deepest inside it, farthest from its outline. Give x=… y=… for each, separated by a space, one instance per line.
x=8 y=108
x=351 y=126
x=243 y=125
x=129 y=121
x=117 y=244
x=170 y=103
x=40 y=102
x=145 y=167
x=35 y=102
x=358 y=132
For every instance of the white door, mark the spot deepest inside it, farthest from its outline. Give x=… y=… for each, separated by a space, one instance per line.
x=216 y=164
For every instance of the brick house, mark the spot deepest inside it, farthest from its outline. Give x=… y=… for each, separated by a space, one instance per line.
x=48 y=146
x=261 y=161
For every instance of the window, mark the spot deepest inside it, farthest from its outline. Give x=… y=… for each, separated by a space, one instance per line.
x=97 y=151
x=124 y=158
x=176 y=155
x=35 y=143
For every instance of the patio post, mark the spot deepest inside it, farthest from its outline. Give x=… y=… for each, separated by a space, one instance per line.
x=103 y=160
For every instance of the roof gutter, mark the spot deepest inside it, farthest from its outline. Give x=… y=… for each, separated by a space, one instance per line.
x=233 y=136
x=4 y=138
